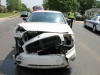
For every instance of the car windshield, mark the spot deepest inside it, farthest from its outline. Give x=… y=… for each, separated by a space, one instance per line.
x=46 y=17
x=24 y=12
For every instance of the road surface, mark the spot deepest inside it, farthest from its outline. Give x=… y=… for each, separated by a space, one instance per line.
x=87 y=48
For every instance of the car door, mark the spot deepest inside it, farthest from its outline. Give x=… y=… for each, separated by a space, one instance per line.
x=92 y=21
x=89 y=21
x=98 y=24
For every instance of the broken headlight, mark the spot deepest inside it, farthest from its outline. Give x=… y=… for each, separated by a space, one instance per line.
x=21 y=29
x=18 y=34
x=68 y=42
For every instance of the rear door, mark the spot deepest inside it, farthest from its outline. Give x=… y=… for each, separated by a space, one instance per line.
x=98 y=25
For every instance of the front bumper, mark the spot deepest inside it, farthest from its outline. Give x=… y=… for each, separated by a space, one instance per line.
x=45 y=61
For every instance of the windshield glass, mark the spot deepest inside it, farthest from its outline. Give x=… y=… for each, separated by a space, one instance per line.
x=46 y=17
x=24 y=12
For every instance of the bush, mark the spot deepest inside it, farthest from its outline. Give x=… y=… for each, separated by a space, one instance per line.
x=87 y=17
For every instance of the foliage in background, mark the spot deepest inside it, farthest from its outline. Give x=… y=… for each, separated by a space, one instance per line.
x=61 y=5
x=97 y=4
x=45 y=4
x=66 y=5
x=85 y=5
x=23 y=7
x=11 y=5
x=16 y=5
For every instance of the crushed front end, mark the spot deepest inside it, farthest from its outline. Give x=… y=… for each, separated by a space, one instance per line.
x=37 y=49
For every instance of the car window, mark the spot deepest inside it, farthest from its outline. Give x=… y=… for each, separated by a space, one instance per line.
x=46 y=17
x=94 y=18
x=24 y=12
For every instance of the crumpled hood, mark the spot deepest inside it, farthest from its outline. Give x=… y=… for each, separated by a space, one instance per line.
x=46 y=27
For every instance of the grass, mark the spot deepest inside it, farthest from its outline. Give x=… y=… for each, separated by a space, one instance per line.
x=3 y=15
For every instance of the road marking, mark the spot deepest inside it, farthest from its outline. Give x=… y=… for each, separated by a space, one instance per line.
x=89 y=50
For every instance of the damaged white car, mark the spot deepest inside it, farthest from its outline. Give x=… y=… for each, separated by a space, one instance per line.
x=44 y=40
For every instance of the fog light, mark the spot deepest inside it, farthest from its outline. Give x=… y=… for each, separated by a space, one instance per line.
x=20 y=58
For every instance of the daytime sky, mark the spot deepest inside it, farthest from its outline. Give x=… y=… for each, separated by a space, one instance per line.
x=29 y=3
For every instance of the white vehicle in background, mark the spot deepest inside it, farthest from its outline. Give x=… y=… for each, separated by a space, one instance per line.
x=44 y=40
x=93 y=23
x=37 y=8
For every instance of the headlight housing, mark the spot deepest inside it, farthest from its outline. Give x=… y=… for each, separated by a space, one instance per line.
x=18 y=34
x=20 y=58
x=21 y=29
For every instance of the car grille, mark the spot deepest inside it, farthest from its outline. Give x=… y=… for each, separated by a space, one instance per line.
x=43 y=44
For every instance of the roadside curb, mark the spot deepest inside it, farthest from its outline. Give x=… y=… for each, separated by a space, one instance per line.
x=80 y=21
x=8 y=18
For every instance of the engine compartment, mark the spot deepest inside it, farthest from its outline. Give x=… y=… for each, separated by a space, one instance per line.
x=45 y=46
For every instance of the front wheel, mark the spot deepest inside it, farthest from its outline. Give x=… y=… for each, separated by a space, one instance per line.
x=85 y=24
x=18 y=48
x=94 y=28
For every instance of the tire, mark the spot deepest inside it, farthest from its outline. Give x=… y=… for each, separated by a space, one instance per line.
x=94 y=28
x=17 y=47
x=85 y=24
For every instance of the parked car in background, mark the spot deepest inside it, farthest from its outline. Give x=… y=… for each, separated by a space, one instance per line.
x=24 y=14
x=93 y=23
x=79 y=17
x=44 y=40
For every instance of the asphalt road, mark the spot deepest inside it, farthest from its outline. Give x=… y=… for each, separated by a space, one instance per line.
x=87 y=47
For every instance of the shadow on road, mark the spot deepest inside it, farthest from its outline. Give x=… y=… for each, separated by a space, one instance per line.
x=91 y=30
x=11 y=53
x=27 y=71
x=8 y=67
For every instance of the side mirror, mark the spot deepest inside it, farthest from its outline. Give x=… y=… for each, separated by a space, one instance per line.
x=25 y=19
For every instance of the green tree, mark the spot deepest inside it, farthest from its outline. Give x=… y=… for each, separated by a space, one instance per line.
x=97 y=4
x=10 y=5
x=23 y=7
x=45 y=4
x=28 y=9
x=13 y=5
x=62 y=5
x=19 y=4
x=86 y=4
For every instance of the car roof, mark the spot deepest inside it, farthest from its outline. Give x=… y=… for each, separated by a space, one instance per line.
x=48 y=11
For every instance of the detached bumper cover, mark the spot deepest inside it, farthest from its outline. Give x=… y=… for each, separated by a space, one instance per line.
x=45 y=61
